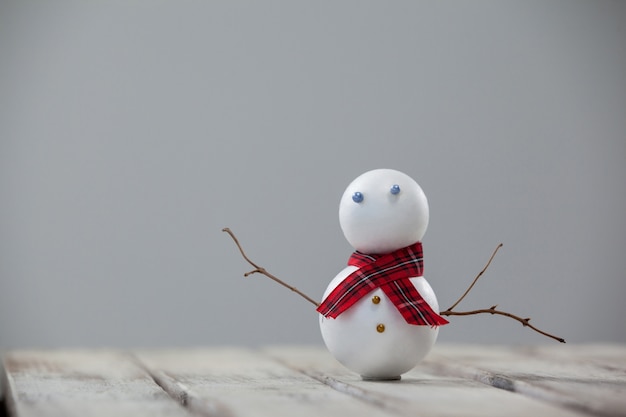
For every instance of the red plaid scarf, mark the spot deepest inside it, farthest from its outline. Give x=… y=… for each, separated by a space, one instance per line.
x=391 y=273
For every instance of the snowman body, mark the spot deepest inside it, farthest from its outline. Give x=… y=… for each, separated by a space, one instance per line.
x=373 y=339
x=381 y=211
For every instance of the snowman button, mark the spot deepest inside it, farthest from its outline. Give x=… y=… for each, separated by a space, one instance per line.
x=380 y=328
x=375 y=299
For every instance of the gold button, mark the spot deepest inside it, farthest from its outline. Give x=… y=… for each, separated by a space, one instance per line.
x=375 y=299
x=380 y=328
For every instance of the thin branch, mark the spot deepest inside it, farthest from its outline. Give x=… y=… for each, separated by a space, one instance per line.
x=260 y=270
x=476 y=279
x=493 y=310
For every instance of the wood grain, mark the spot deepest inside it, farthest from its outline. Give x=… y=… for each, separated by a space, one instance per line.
x=82 y=383
x=241 y=382
x=589 y=379
x=423 y=390
x=454 y=380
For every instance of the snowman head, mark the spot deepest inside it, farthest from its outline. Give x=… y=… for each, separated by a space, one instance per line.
x=383 y=210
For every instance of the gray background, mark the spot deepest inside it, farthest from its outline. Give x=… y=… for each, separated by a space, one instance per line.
x=132 y=133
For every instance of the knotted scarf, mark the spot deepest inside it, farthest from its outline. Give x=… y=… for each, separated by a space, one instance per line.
x=391 y=273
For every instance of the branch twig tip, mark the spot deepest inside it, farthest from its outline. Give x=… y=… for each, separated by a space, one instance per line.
x=494 y=308
x=477 y=277
x=260 y=270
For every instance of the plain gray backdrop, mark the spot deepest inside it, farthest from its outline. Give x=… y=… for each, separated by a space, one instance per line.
x=133 y=132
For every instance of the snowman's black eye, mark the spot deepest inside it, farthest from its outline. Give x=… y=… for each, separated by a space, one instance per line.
x=357 y=197
x=395 y=189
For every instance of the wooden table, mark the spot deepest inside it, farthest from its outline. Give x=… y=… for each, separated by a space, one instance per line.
x=455 y=380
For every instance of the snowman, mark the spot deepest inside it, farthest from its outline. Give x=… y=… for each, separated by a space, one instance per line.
x=379 y=315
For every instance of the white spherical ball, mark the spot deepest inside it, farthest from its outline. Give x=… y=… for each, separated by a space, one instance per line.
x=383 y=210
x=357 y=340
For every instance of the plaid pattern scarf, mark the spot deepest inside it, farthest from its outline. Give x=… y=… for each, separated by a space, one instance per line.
x=391 y=273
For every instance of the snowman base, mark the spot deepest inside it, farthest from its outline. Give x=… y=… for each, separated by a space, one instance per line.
x=379 y=379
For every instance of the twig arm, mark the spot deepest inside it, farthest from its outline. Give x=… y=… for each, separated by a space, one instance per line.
x=260 y=270
x=494 y=310
x=476 y=279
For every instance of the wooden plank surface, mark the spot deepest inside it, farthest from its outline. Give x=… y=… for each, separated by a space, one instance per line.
x=453 y=381
x=424 y=390
x=240 y=382
x=589 y=379
x=82 y=383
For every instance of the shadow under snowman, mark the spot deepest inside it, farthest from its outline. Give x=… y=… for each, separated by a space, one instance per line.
x=379 y=316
